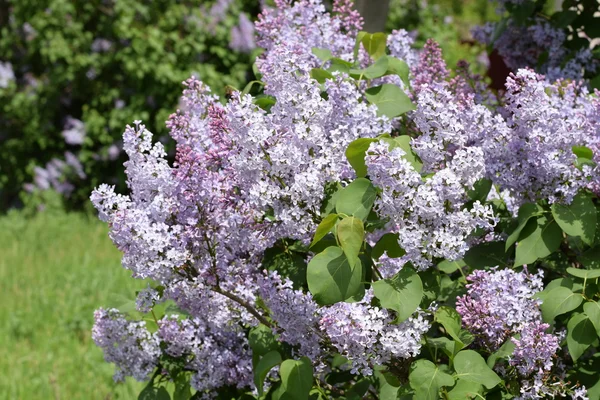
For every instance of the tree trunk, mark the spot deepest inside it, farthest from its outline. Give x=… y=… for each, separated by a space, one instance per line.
x=374 y=12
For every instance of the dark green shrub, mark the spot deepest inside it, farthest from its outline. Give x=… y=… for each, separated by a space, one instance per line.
x=73 y=73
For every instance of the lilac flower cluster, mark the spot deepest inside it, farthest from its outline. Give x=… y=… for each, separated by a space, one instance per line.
x=366 y=335
x=498 y=306
x=526 y=147
x=127 y=344
x=244 y=179
x=248 y=178
x=429 y=215
x=55 y=175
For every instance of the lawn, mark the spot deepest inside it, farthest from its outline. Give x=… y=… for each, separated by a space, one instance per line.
x=55 y=269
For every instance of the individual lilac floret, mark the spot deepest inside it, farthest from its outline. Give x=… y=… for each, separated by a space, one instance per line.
x=498 y=304
x=535 y=349
x=366 y=335
x=127 y=344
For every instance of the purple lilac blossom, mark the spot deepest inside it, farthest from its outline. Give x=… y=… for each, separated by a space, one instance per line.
x=498 y=304
x=522 y=46
x=242 y=35
x=127 y=344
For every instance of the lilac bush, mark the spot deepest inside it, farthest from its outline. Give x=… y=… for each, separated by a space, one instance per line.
x=370 y=225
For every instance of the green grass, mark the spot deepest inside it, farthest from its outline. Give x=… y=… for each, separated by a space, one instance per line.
x=55 y=270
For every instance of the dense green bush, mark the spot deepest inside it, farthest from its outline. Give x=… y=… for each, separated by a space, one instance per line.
x=73 y=73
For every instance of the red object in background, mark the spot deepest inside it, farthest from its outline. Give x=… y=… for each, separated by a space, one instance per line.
x=497 y=71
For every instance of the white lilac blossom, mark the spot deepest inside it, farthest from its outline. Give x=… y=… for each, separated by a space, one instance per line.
x=366 y=336
x=127 y=344
x=7 y=74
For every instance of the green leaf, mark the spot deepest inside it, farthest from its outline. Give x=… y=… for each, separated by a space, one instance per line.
x=449 y=267
x=403 y=142
x=262 y=340
x=583 y=152
x=464 y=390
x=471 y=367
x=331 y=278
x=578 y=218
x=581 y=333
x=584 y=273
x=351 y=235
x=486 y=255
x=154 y=393
x=322 y=54
x=320 y=75
x=559 y=301
x=390 y=100
x=182 y=388
x=480 y=190
x=592 y=310
x=337 y=64
x=355 y=153
x=249 y=86
x=427 y=379
x=543 y=240
x=449 y=347
x=324 y=228
x=591 y=258
x=388 y=243
x=450 y=319
x=503 y=352
x=398 y=67
x=401 y=293
x=375 y=70
x=526 y=212
x=296 y=380
x=356 y=199
x=265 y=102
x=264 y=365
x=374 y=43
x=387 y=385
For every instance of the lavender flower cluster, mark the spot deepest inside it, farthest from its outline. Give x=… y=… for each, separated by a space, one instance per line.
x=500 y=306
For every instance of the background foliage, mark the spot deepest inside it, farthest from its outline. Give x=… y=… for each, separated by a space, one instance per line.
x=105 y=63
